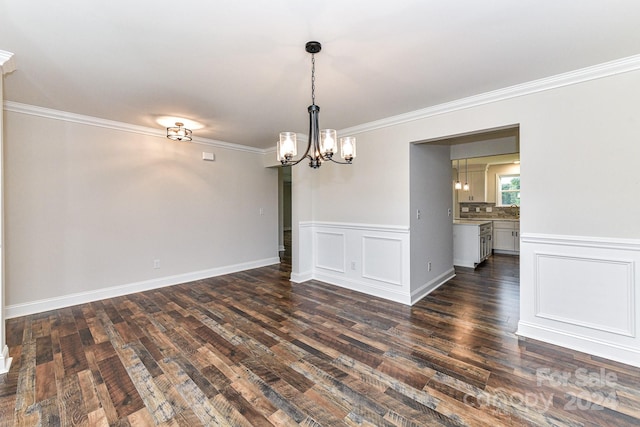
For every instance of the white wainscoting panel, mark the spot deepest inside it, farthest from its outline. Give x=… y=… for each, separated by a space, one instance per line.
x=373 y=259
x=382 y=259
x=330 y=251
x=602 y=289
x=582 y=293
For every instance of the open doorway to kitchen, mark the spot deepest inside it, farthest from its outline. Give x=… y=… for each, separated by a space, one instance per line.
x=485 y=192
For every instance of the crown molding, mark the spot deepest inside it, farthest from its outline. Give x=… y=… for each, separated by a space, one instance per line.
x=49 y=113
x=7 y=63
x=618 y=66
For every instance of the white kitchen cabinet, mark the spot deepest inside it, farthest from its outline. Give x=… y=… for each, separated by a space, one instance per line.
x=476 y=192
x=472 y=242
x=506 y=237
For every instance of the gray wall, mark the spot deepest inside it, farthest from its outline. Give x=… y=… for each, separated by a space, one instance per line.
x=432 y=233
x=90 y=208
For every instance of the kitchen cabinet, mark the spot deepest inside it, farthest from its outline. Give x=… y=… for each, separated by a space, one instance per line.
x=476 y=193
x=506 y=237
x=472 y=242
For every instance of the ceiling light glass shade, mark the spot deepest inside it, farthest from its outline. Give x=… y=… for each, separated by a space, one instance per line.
x=322 y=144
x=179 y=133
x=458 y=185
x=328 y=142
x=348 y=148
x=287 y=146
x=465 y=187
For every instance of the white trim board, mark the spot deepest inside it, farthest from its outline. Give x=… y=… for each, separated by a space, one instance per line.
x=49 y=113
x=7 y=62
x=595 y=347
x=366 y=288
x=5 y=360
x=356 y=226
x=38 y=306
x=432 y=285
x=582 y=241
x=618 y=66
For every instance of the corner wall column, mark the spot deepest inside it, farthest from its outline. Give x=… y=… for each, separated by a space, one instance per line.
x=7 y=65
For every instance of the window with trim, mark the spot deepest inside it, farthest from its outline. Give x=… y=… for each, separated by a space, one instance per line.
x=508 y=190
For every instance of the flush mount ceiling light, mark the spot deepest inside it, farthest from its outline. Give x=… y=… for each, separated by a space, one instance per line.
x=322 y=143
x=179 y=132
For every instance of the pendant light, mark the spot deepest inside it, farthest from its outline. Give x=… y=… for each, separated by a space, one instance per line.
x=465 y=187
x=457 y=185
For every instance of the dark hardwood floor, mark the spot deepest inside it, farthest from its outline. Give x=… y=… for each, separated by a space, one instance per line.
x=251 y=349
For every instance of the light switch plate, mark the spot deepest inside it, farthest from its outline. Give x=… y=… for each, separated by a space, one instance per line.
x=208 y=156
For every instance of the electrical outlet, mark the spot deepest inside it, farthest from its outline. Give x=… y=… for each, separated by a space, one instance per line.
x=353 y=265
x=429 y=266
x=489 y=209
x=156 y=263
x=418 y=214
x=449 y=212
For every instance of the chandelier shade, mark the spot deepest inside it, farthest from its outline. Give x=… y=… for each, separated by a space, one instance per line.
x=348 y=148
x=322 y=144
x=179 y=133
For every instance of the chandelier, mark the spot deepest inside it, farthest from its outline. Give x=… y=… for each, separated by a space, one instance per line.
x=179 y=133
x=322 y=143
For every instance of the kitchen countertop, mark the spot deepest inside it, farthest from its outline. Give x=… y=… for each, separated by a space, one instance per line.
x=487 y=219
x=471 y=221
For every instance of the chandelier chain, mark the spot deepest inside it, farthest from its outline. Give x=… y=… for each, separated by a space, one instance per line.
x=313 y=79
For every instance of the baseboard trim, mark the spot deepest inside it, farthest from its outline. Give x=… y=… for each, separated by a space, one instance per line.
x=5 y=360
x=505 y=252
x=365 y=288
x=463 y=263
x=301 y=277
x=376 y=291
x=39 y=306
x=432 y=285
x=607 y=350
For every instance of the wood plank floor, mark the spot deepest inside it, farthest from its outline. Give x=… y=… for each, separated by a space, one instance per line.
x=251 y=349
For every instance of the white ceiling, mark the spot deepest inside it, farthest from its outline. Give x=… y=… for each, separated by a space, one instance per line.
x=240 y=67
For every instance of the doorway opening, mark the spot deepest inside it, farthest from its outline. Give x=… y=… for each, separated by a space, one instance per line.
x=485 y=189
x=284 y=218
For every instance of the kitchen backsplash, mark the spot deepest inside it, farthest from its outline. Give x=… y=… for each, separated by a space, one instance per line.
x=479 y=210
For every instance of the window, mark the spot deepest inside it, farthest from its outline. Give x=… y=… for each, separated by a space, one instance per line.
x=508 y=190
